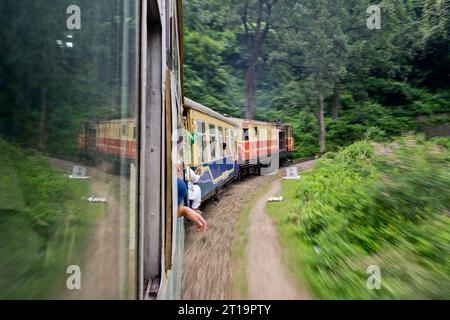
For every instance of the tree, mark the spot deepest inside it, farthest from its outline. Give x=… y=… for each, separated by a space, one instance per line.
x=312 y=43
x=257 y=19
x=209 y=41
x=319 y=60
x=432 y=64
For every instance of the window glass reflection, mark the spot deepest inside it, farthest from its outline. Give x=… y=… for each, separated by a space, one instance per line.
x=68 y=104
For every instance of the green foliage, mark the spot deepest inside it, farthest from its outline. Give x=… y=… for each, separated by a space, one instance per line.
x=210 y=81
x=388 y=77
x=442 y=141
x=41 y=214
x=358 y=208
x=405 y=99
x=304 y=129
x=52 y=90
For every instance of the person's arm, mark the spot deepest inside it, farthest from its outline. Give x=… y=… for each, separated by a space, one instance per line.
x=194 y=175
x=192 y=215
x=198 y=171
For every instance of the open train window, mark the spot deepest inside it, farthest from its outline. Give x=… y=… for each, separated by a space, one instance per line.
x=282 y=140
x=187 y=149
x=229 y=148
x=201 y=141
x=245 y=134
x=212 y=140
x=124 y=130
x=221 y=143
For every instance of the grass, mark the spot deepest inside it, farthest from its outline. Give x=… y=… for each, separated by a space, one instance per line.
x=357 y=209
x=239 y=282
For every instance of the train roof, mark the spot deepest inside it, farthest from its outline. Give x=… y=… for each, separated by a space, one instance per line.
x=115 y=120
x=277 y=123
x=188 y=103
x=240 y=120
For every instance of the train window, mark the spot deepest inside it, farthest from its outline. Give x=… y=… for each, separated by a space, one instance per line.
x=70 y=211
x=221 y=143
x=231 y=144
x=187 y=150
x=228 y=143
x=134 y=132
x=201 y=138
x=256 y=132
x=124 y=130
x=212 y=141
x=245 y=134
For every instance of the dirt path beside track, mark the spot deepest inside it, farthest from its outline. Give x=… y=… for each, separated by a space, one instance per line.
x=207 y=265
x=266 y=274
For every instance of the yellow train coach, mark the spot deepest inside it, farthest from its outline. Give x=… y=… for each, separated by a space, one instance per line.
x=211 y=144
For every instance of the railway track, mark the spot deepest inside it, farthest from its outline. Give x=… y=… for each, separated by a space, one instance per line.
x=296 y=161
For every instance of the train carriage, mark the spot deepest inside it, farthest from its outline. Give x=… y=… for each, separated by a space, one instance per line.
x=263 y=144
x=112 y=139
x=213 y=149
x=257 y=144
x=286 y=142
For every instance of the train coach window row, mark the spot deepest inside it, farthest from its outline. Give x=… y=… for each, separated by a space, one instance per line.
x=213 y=144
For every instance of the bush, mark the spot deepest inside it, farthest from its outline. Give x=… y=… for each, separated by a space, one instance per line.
x=357 y=208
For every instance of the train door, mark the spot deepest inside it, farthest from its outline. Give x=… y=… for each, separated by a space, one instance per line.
x=256 y=143
x=151 y=168
x=282 y=140
x=290 y=138
x=163 y=233
x=92 y=138
x=222 y=144
x=245 y=149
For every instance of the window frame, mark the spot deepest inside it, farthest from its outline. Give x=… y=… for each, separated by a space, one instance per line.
x=221 y=140
x=212 y=141
x=201 y=140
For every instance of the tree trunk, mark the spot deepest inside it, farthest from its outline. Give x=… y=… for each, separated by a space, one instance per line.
x=320 y=100
x=43 y=123
x=321 y=121
x=255 y=46
x=250 y=88
x=336 y=99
